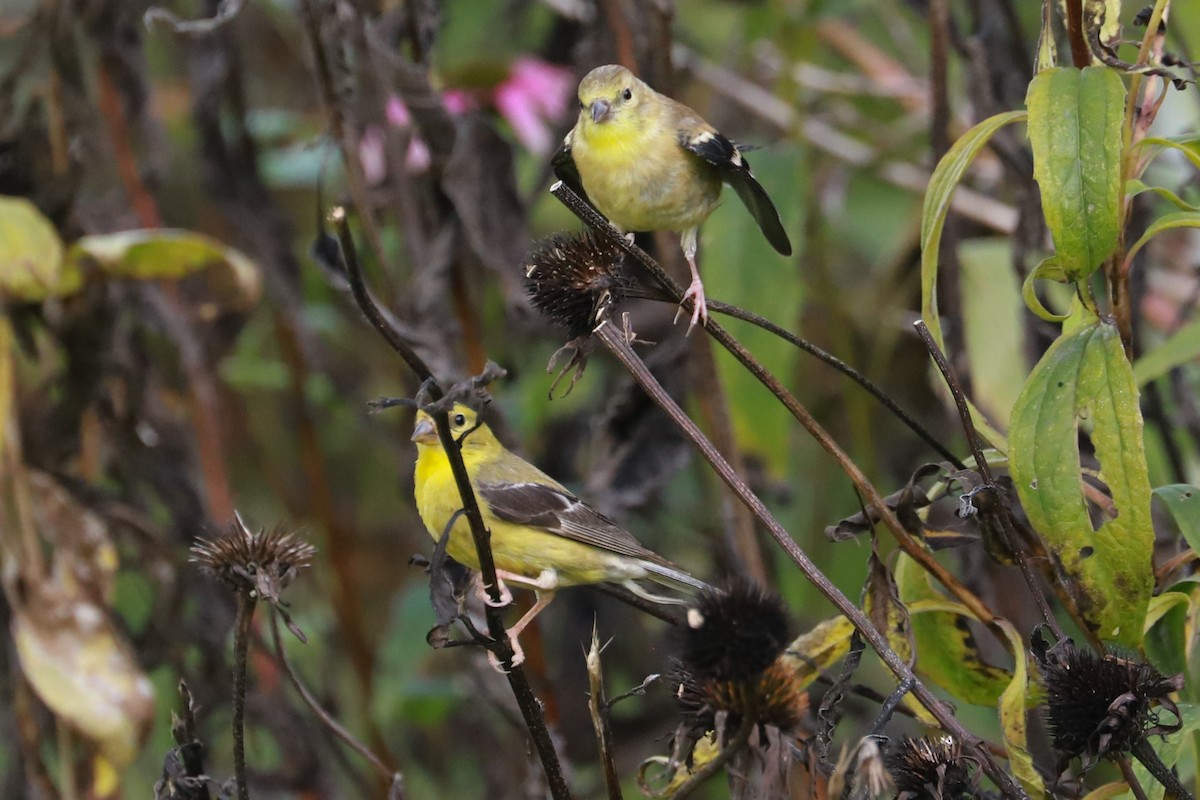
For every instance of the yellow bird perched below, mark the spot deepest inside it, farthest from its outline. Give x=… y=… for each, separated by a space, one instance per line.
x=649 y=163
x=543 y=536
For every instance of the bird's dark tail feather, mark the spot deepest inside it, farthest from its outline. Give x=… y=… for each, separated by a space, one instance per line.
x=761 y=208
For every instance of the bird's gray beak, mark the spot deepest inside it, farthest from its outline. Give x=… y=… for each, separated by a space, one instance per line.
x=425 y=432
x=599 y=109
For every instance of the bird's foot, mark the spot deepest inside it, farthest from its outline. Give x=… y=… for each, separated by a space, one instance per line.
x=506 y=597
x=518 y=655
x=695 y=293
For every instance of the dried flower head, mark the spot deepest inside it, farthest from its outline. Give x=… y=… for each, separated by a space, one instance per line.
x=575 y=279
x=932 y=769
x=735 y=633
x=1097 y=705
x=261 y=563
x=775 y=696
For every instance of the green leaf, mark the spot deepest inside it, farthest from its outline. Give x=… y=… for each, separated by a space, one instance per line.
x=233 y=279
x=994 y=325
x=1084 y=380
x=1077 y=133
x=31 y=255
x=945 y=179
x=1176 y=219
x=1134 y=187
x=1169 y=748
x=1166 y=631
x=1047 y=270
x=947 y=654
x=1183 y=503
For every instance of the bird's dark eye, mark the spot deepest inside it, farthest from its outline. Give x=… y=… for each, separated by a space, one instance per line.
x=627 y=94
x=459 y=420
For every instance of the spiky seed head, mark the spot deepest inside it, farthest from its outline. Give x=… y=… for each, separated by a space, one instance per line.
x=575 y=279
x=1100 y=705
x=262 y=563
x=932 y=769
x=734 y=633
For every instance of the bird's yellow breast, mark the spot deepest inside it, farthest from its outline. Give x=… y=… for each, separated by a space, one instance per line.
x=638 y=175
x=517 y=549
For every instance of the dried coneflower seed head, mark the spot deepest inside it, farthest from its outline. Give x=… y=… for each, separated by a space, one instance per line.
x=932 y=769
x=1100 y=705
x=734 y=634
x=262 y=562
x=575 y=279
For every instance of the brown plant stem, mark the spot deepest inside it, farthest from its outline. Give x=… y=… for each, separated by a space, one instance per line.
x=241 y=646
x=395 y=778
x=841 y=366
x=618 y=345
x=1003 y=513
x=871 y=496
x=531 y=709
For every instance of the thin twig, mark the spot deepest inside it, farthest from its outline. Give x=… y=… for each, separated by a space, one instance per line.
x=617 y=344
x=906 y=541
x=241 y=645
x=1131 y=780
x=334 y=727
x=841 y=366
x=1003 y=513
x=531 y=709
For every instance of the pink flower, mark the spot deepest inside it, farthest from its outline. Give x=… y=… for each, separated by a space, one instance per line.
x=536 y=94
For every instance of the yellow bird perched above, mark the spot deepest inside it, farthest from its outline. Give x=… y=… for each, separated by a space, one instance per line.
x=543 y=536
x=649 y=163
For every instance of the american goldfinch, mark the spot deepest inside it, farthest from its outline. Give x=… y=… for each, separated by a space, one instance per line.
x=543 y=536
x=649 y=163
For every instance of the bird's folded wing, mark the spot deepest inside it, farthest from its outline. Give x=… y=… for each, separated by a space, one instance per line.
x=700 y=139
x=557 y=511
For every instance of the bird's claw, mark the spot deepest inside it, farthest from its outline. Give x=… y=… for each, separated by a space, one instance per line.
x=506 y=596
x=695 y=293
x=518 y=657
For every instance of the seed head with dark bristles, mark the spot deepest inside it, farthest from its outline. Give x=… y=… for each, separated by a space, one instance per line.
x=1100 y=705
x=575 y=279
x=735 y=633
x=262 y=563
x=932 y=769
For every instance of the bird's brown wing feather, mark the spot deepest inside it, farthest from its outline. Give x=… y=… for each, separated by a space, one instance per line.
x=699 y=138
x=557 y=511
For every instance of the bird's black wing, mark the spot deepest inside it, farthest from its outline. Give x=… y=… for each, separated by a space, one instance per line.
x=558 y=511
x=733 y=168
x=565 y=169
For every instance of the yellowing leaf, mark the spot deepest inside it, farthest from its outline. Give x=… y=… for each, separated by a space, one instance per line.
x=31 y=255
x=1084 y=380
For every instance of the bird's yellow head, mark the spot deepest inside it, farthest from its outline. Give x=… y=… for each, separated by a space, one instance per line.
x=610 y=94
x=464 y=426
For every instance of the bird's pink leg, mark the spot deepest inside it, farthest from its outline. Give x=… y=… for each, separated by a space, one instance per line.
x=696 y=290
x=543 y=600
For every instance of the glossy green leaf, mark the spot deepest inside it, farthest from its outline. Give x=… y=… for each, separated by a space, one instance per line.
x=31 y=255
x=1077 y=134
x=1183 y=503
x=947 y=654
x=1083 y=380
